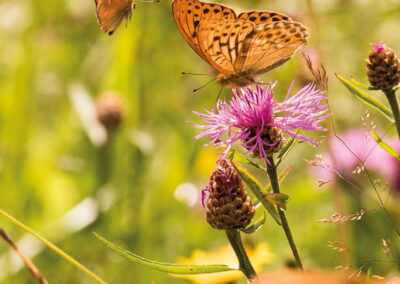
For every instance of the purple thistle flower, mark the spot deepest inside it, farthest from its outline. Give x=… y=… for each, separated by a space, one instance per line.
x=252 y=110
x=378 y=47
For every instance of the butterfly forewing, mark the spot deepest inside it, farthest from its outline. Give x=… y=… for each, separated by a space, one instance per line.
x=189 y=13
x=270 y=45
x=220 y=41
x=259 y=17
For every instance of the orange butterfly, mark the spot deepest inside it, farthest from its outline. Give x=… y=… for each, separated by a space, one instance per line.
x=111 y=13
x=239 y=47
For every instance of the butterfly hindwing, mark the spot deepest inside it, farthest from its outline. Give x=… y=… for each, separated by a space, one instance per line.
x=221 y=40
x=270 y=46
x=189 y=13
x=111 y=13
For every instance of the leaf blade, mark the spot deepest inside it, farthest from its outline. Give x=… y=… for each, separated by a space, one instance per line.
x=255 y=226
x=386 y=147
x=366 y=99
x=166 y=267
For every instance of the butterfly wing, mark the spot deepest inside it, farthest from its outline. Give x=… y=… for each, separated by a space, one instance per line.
x=111 y=13
x=269 y=46
x=220 y=40
x=263 y=17
x=189 y=13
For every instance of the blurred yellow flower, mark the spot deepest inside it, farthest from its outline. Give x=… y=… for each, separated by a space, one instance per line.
x=259 y=256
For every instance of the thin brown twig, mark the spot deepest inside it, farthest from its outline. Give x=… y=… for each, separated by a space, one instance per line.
x=31 y=267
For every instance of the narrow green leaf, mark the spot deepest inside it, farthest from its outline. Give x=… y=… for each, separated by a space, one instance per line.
x=366 y=99
x=361 y=85
x=279 y=199
x=287 y=148
x=257 y=189
x=385 y=146
x=166 y=267
x=237 y=157
x=282 y=176
x=255 y=226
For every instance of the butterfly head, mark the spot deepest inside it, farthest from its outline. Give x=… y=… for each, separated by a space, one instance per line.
x=235 y=81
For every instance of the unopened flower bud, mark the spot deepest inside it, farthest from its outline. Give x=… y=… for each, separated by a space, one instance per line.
x=109 y=108
x=228 y=205
x=383 y=67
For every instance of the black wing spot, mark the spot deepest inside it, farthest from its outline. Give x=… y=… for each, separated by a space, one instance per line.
x=196 y=23
x=278 y=33
x=267 y=29
x=263 y=18
x=287 y=40
x=298 y=35
x=226 y=13
x=283 y=36
x=233 y=34
x=277 y=27
x=268 y=36
x=216 y=10
x=189 y=12
x=225 y=34
x=273 y=14
x=196 y=15
x=197 y=7
x=285 y=18
x=194 y=35
x=217 y=38
x=275 y=19
x=293 y=30
x=206 y=10
x=211 y=4
x=253 y=18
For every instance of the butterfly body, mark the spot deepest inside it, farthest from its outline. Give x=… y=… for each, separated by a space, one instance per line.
x=111 y=13
x=239 y=47
x=233 y=81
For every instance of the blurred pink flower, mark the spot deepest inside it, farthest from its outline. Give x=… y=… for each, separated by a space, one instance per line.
x=251 y=110
x=366 y=149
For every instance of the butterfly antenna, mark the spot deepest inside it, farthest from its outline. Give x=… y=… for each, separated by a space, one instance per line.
x=197 y=74
x=195 y=90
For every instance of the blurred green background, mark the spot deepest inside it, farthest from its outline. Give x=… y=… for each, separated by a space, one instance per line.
x=127 y=190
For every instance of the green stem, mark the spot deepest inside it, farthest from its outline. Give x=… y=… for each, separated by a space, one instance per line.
x=54 y=248
x=244 y=262
x=391 y=97
x=273 y=177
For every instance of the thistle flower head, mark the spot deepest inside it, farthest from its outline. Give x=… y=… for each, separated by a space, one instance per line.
x=228 y=205
x=383 y=67
x=257 y=120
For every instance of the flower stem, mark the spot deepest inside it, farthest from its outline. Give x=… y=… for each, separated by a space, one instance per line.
x=391 y=97
x=54 y=248
x=244 y=262
x=273 y=177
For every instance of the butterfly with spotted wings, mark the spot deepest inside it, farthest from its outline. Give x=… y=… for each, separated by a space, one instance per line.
x=238 y=47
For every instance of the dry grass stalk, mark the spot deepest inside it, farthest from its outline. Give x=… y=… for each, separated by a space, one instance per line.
x=320 y=74
x=339 y=218
x=31 y=267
